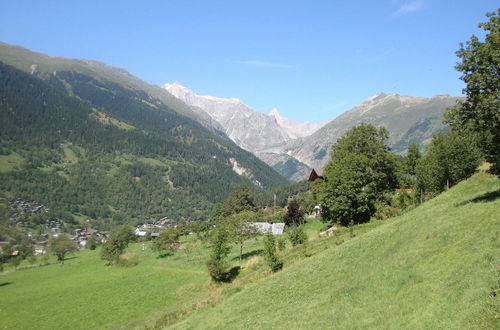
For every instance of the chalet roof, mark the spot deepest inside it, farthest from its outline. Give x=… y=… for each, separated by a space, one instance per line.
x=315 y=175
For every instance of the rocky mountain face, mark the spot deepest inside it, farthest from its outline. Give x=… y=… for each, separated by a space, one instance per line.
x=248 y=128
x=407 y=118
x=293 y=148
x=294 y=128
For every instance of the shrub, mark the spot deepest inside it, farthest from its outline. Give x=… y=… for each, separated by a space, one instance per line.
x=270 y=255
x=217 y=270
x=296 y=235
x=281 y=242
x=220 y=249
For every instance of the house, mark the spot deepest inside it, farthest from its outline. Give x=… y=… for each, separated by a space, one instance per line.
x=141 y=232
x=268 y=228
x=314 y=175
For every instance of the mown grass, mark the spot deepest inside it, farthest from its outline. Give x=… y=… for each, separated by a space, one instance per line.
x=435 y=267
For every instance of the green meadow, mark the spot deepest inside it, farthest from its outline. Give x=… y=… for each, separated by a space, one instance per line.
x=436 y=266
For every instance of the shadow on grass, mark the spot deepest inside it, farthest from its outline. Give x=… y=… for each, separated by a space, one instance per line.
x=69 y=258
x=231 y=274
x=164 y=255
x=6 y=283
x=248 y=254
x=485 y=198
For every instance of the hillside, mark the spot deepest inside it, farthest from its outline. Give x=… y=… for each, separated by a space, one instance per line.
x=93 y=148
x=434 y=267
x=34 y=62
x=407 y=118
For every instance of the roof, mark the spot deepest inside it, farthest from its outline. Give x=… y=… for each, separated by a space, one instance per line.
x=314 y=175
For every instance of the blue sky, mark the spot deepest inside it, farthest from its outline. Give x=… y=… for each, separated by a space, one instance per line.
x=312 y=60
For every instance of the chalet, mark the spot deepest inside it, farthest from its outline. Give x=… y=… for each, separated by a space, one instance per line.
x=314 y=175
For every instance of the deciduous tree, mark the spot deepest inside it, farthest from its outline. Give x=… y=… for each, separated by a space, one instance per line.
x=116 y=244
x=479 y=114
x=61 y=245
x=360 y=171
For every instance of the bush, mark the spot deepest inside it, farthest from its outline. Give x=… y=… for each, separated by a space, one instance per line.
x=270 y=255
x=217 y=270
x=296 y=235
x=220 y=249
x=281 y=242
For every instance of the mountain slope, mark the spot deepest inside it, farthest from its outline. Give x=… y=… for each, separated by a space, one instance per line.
x=407 y=118
x=97 y=149
x=33 y=62
x=434 y=267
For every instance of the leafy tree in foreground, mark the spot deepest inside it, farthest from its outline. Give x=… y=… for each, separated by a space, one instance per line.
x=361 y=170
x=216 y=265
x=239 y=227
x=296 y=235
x=294 y=215
x=61 y=245
x=479 y=113
x=166 y=241
x=449 y=159
x=270 y=253
x=116 y=244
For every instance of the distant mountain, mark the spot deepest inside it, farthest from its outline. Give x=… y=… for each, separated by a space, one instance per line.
x=294 y=148
x=407 y=118
x=294 y=128
x=248 y=128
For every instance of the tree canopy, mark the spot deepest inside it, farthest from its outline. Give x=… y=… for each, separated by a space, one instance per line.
x=61 y=245
x=240 y=199
x=117 y=242
x=360 y=171
x=450 y=158
x=480 y=67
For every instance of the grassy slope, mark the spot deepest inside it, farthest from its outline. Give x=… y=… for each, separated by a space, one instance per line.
x=434 y=267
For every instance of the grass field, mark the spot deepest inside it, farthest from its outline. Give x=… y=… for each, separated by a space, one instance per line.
x=434 y=267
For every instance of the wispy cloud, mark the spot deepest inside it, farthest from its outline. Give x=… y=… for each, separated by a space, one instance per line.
x=260 y=64
x=409 y=7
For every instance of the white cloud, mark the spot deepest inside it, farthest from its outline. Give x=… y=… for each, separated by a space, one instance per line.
x=409 y=8
x=261 y=64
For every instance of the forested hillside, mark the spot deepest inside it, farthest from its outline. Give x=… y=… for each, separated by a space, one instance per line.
x=88 y=148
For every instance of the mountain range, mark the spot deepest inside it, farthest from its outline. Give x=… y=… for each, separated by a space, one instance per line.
x=294 y=148
x=290 y=147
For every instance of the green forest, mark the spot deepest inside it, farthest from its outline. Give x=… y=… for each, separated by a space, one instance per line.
x=94 y=150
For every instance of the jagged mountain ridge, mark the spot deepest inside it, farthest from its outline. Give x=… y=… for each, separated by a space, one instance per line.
x=250 y=129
